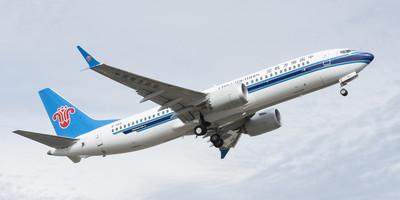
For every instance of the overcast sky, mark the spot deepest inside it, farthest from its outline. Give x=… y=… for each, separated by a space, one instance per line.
x=329 y=147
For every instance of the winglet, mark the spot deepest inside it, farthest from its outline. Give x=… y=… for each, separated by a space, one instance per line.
x=224 y=152
x=89 y=59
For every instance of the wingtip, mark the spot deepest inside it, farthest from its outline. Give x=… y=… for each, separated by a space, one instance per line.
x=89 y=59
x=224 y=152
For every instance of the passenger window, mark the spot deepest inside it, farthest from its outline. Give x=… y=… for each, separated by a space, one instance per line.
x=298 y=65
x=154 y=116
x=271 y=75
x=294 y=67
x=120 y=127
x=266 y=76
x=290 y=68
x=285 y=69
x=261 y=78
x=145 y=118
x=247 y=83
x=256 y=79
x=276 y=73
x=158 y=114
x=116 y=129
x=124 y=126
x=308 y=62
x=280 y=71
x=302 y=63
x=137 y=121
x=129 y=124
x=251 y=81
x=141 y=120
x=112 y=130
x=162 y=112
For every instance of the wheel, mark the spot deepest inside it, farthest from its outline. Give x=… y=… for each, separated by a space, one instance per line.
x=219 y=143
x=344 y=92
x=200 y=130
x=214 y=138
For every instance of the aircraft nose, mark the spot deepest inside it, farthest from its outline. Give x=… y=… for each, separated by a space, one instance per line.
x=367 y=56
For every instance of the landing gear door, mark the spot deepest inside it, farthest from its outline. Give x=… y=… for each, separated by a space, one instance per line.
x=325 y=59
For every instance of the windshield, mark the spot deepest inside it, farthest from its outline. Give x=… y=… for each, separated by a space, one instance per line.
x=346 y=51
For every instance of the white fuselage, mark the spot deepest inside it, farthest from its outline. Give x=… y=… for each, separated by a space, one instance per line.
x=266 y=88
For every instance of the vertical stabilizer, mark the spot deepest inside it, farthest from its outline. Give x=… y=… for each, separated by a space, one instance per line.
x=67 y=119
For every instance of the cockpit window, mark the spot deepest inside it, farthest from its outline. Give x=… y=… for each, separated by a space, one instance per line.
x=346 y=51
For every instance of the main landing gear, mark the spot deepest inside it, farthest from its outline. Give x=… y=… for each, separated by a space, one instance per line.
x=201 y=129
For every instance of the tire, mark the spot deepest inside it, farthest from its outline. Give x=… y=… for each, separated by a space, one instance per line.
x=215 y=138
x=219 y=143
x=200 y=130
x=344 y=92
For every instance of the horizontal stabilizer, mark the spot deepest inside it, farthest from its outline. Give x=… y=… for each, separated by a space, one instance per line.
x=49 y=140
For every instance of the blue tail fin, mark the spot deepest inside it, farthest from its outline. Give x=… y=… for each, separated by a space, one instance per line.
x=67 y=119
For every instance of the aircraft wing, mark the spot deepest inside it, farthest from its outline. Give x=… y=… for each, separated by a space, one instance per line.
x=183 y=101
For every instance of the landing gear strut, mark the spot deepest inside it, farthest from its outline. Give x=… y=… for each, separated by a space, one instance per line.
x=344 y=92
x=346 y=79
x=201 y=129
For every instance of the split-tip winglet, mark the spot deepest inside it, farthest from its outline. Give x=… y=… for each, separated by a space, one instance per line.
x=89 y=59
x=224 y=152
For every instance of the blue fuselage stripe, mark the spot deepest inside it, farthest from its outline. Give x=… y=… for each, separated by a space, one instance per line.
x=146 y=125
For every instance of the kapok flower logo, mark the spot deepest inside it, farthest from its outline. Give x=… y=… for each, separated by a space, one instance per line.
x=88 y=58
x=63 y=117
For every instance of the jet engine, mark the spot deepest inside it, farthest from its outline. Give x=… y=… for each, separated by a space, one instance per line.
x=263 y=122
x=228 y=97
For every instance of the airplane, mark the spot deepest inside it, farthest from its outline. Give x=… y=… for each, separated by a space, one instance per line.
x=221 y=114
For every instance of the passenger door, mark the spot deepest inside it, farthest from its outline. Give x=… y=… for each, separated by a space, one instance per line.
x=325 y=59
x=99 y=141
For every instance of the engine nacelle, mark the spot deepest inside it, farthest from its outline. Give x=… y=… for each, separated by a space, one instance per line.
x=228 y=97
x=263 y=122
